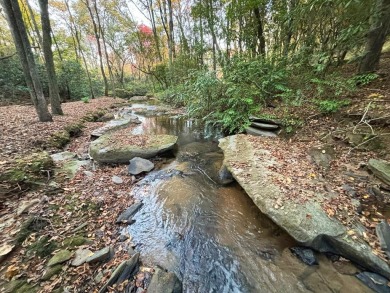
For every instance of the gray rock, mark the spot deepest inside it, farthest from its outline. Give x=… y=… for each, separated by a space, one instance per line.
x=63 y=156
x=81 y=256
x=88 y=173
x=99 y=277
x=101 y=255
x=259 y=132
x=139 y=165
x=164 y=282
x=381 y=169
x=112 y=125
x=322 y=156
x=305 y=254
x=70 y=168
x=264 y=126
x=318 y=231
x=125 y=216
x=106 y=150
x=374 y=281
x=224 y=176
x=383 y=233
x=265 y=120
x=121 y=273
x=60 y=257
x=139 y=98
x=117 y=179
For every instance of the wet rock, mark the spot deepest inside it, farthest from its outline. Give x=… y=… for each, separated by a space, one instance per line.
x=125 y=217
x=60 y=257
x=322 y=156
x=346 y=268
x=381 y=169
x=164 y=282
x=81 y=256
x=113 y=125
x=121 y=273
x=106 y=150
x=259 y=132
x=317 y=231
x=374 y=281
x=264 y=126
x=305 y=254
x=51 y=271
x=265 y=120
x=224 y=176
x=383 y=233
x=117 y=179
x=139 y=165
x=101 y=255
x=139 y=98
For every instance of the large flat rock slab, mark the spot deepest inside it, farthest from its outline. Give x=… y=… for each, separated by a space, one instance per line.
x=306 y=222
x=121 y=146
x=381 y=169
x=115 y=124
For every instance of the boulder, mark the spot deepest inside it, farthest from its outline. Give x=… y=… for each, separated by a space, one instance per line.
x=164 y=282
x=100 y=255
x=81 y=256
x=116 y=179
x=63 y=156
x=383 y=233
x=374 y=281
x=381 y=169
x=107 y=149
x=322 y=156
x=317 y=230
x=259 y=132
x=139 y=165
x=305 y=254
x=266 y=120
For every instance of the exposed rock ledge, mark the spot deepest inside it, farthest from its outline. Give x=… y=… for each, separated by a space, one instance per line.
x=317 y=231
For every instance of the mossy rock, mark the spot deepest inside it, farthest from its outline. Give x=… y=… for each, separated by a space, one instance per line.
x=60 y=257
x=20 y=286
x=74 y=241
x=59 y=139
x=43 y=247
x=93 y=116
x=52 y=271
x=74 y=129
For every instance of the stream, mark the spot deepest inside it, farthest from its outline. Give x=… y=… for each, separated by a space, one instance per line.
x=213 y=237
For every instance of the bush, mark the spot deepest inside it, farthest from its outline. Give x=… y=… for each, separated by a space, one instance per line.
x=331 y=106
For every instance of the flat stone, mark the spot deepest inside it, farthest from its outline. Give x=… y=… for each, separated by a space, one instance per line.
x=100 y=255
x=265 y=120
x=63 y=156
x=164 y=282
x=60 y=257
x=139 y=165
x=383 y=233
x=113 y=124
x=121 y=273
x=305 y=254
x=107 y=150
x=81 y=256
x=381 y=169
x=264 y=126
x=374 y=281
x=51 y=271
x=318 y=231
x=139 y=98
x=259 y=132
x=322 y=156
x=128 y=213
x=70 y=168
x=117 y=179
x=5 y=249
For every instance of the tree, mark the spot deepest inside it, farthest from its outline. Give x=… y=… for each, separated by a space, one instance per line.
x=376 y=37
x=23 y=47
x=55 y=102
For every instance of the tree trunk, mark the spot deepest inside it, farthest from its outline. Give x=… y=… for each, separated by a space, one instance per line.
x=171 y=36
x=23 y=47
x=376 y=37
x=55 y=102
x=154 y=29
x=97 y=36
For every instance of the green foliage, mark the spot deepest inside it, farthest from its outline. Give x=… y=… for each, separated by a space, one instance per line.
x=85 y=99
x=332 y=86
x=331 y=106
x=364 y=79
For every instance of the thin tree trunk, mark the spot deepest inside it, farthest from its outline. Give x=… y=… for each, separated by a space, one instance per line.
x=171 y=36
x=31 y=12
x=260 y=34
x=19 y=34
x=154 y=29
x=55 y=102
x=376 y=37
x=97 y=36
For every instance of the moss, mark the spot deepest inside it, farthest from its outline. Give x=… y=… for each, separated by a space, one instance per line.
x=59 y=139
x=74 y=129
x=30 y=226
x=74 y=241
x=93 y=116
x=43 y=247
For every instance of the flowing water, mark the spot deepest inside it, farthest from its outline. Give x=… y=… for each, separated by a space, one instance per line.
x=212 y=236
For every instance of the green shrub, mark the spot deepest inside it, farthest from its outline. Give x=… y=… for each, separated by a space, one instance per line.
x=331 y=106
x=85 y=99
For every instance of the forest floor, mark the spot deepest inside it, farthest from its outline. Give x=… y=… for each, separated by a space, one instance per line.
x=81 y=212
